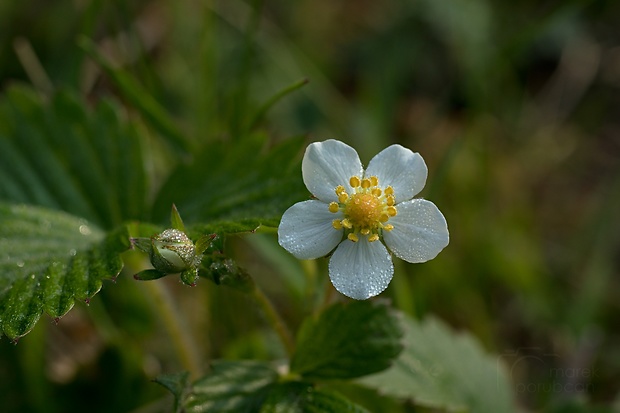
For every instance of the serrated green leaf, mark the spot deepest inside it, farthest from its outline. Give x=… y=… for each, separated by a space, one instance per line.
x=300 y=397
x=231 y=387
x=63 y=155
x=441 y=369
x=347 y=340
x=252 y=386
x=236 y=181
x=48 y=260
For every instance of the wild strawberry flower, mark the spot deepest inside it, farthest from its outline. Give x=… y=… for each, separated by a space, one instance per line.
x=363 y=215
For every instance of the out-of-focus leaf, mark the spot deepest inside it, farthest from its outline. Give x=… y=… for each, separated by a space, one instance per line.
x=236 y=181
x=139 y=97
x=61 y=155
x=441 y=369
x=348 y=340
x=49 y=259
x=252 y=386
x=177 y=384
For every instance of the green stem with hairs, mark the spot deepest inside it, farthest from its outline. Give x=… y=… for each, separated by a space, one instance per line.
x=174 y=322
x=274 y=319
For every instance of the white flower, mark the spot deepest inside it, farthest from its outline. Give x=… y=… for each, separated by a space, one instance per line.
x=360 y=213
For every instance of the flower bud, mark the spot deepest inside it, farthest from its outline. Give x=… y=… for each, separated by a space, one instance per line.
x=173 y=252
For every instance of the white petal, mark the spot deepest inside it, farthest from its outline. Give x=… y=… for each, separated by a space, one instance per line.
x=329 y=164
x=401 y=168
x=361 y=269
x=306 y=230
x=420 y=231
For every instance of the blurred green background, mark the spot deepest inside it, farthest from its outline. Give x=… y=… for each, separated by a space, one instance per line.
x=515 y=106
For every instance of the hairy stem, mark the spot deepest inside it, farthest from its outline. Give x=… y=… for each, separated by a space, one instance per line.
x=274 y=319
x=174 y=322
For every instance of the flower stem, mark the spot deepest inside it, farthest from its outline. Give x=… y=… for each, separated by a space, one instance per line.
x=274 y=319
x=177 y=328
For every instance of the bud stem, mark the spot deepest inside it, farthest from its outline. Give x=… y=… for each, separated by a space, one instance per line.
x=274 y=319
x=174 y=322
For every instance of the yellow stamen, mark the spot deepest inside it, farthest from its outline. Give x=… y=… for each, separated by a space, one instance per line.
x=366 y=209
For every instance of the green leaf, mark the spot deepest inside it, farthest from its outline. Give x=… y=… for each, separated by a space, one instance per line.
x=178 y=385
x=300 y=397
x=441 y=369
x=139 y=97
x=251 y=386
x=243 y=180
x=347 y=340
x=232 y=386
x=48 y=260
x=273 y=100
x=62 y=155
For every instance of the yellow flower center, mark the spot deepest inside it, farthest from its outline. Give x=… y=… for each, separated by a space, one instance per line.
x=366 y=209
x=363 y=210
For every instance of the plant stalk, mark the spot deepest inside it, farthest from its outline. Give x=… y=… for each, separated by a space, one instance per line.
x=174 y=322
x=274 y=319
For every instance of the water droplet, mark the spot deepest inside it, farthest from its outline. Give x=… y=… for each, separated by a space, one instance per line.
x=32 y=276
x=72 y=252
x=85 y=230
x=20 y=264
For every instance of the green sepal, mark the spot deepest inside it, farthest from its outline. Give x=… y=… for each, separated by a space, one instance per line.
x=175 y=219
x=204 y=242
x=189 y=277
x=142 y=244
x=148 y=275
